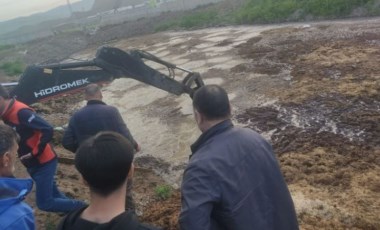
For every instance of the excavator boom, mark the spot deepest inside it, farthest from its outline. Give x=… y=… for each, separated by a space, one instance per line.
x=41 y=82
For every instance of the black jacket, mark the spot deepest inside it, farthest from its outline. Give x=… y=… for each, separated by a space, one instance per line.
x=92 y=119
x=124 y=221
x=233 y=182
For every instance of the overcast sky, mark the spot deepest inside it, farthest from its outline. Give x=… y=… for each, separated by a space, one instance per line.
x=15 y=8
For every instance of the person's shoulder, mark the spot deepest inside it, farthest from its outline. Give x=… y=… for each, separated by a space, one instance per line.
x=111 y=107
x=91 y=108
x=129 y=220
x=102 y=106
x=246 y=133
x=25 y=112
x=69 y=220
x=202 y=162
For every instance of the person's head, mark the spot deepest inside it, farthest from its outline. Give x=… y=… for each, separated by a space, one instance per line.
x=8 y=150
x=4 y=97
x=105 y=161
x=93 y=92
x=211 y=106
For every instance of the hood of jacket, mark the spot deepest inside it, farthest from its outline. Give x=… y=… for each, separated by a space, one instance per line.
x=13 y=191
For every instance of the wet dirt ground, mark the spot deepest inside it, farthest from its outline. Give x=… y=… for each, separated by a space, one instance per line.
x=313 y=90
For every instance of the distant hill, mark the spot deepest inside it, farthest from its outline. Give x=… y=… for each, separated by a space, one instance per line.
x=101 y=5
x=53 y=14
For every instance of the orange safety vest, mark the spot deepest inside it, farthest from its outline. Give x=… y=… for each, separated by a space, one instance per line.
x=11 y=118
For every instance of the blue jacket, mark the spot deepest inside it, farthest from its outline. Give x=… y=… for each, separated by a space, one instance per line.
x=14 y=213
x=233 y=182
x=92 y=119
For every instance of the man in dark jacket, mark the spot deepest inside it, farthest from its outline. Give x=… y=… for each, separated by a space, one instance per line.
x=233 y=180
x=95 y=117
x=105 y=163
x=14 y=213
x=36 y=153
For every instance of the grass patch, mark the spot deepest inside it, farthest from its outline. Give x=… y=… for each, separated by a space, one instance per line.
x=13 y=68
x=6 y=47
x=265 y=10
x=166 y=26
x=288 y=10
x=269 y=11
x=373 y=7
x=198 y=19
x=163 y=192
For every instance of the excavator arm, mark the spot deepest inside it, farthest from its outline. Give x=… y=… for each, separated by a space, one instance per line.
x=41 y=82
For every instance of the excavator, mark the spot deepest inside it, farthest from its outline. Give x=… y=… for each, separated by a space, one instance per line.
x=42 y=82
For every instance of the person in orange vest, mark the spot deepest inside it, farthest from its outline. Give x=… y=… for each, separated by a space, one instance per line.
x=36 y=154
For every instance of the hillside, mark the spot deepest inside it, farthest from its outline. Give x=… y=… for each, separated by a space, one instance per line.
x=55 y=14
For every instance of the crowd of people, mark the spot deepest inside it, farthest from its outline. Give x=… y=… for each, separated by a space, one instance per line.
x=232 y=180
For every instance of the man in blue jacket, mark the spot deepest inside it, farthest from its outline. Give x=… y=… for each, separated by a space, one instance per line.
x=14 y=213
x=233 y=180
x=96 y=117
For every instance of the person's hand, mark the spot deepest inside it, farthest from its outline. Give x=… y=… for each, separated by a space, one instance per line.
x=26 y=156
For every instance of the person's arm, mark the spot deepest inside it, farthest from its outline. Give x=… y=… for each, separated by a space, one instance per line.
x=32 y=120
x=200 y=192
x=69 y=139
x=123 y=129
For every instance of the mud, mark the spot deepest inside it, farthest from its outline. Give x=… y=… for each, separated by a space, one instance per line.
x=324 y=123
x=312 y=90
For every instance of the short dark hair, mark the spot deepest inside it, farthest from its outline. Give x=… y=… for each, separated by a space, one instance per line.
x=8 y=137
x=104 y=161
x=4 y=93
x=212 y=101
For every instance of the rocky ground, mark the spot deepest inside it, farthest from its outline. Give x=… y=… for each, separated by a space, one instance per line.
x=313 y=90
